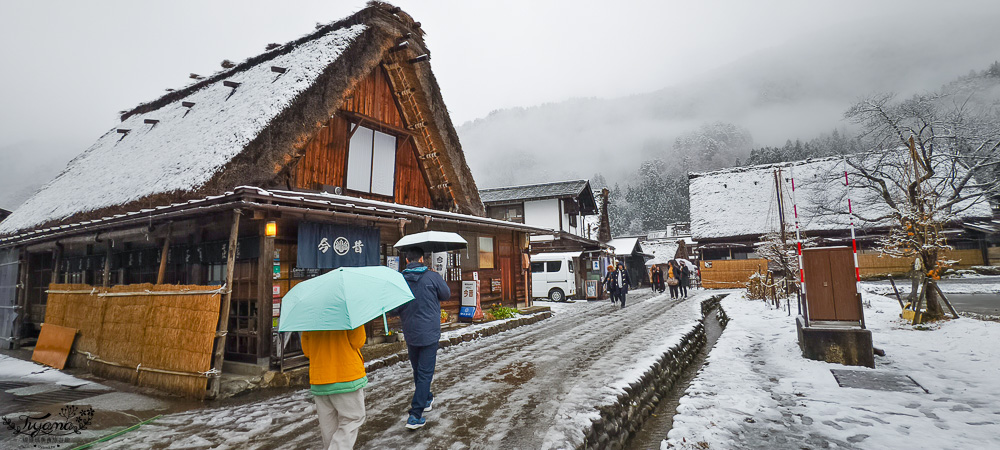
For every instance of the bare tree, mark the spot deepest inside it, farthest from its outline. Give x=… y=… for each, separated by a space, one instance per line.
x=941 y=156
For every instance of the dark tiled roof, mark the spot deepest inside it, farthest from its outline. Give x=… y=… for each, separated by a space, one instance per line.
x=558 y=189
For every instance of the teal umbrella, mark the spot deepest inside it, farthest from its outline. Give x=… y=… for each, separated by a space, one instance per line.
x=343 y=299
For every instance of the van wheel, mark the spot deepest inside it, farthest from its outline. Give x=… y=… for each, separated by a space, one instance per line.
x=557 y=295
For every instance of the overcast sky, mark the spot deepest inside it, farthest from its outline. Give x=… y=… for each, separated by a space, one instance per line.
x=70 y=66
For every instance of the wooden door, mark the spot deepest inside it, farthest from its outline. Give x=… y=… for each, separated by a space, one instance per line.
x=819 y=284
x=507 y=290
x=831 y=287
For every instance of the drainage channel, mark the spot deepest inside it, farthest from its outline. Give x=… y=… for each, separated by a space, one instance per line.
x=655 y=428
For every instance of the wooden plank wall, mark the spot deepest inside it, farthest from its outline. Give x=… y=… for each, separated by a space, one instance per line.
x=373 y=97
x=325 y=158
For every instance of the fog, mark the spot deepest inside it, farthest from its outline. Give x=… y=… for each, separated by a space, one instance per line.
x=594 y=86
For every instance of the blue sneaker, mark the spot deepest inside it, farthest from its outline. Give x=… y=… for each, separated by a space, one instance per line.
x=413 y=422
x=429 y=405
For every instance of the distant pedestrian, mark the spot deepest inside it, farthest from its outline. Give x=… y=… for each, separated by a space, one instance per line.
x=422 y=330
x=656 y=278
x=623 y=282
x=337 y=379
x=609 y=284
x=673 y=272
x=685 y=279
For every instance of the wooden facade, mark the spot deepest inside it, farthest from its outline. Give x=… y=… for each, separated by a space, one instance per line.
x=372 y=104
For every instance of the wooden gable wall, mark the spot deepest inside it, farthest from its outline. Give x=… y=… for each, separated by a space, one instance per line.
x=325 y=159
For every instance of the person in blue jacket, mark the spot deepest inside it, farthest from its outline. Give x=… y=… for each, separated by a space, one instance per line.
x=421 y=319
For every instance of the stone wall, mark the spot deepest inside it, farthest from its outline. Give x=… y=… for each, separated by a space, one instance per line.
x=623 y=418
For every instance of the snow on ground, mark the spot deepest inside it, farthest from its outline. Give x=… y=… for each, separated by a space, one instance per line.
x=13 y=369
x=756 y=390
x=976 y=285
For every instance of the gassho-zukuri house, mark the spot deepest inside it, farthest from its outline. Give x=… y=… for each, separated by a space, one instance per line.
x=732 y=209
x=315 y=154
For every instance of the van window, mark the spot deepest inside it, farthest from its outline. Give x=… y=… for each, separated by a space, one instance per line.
x=537 y=267
x=570 y=266
x=554 y=266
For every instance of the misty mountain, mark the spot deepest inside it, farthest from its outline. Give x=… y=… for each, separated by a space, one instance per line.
x=23 y=172
x=797 y=90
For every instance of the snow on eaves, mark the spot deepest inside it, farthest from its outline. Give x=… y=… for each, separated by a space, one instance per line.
x=186 y=147
x=742 y=201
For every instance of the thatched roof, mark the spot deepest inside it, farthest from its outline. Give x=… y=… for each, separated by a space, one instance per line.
x=248 y=125
x=741 y=202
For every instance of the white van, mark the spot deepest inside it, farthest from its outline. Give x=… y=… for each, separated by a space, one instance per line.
x=553 y=275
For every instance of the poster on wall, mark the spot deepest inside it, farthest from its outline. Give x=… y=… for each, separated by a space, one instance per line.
x=591 y=288
x=329 y=246
x=392 y=262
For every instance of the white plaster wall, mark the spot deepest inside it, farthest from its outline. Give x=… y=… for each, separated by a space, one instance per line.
x=542 y=213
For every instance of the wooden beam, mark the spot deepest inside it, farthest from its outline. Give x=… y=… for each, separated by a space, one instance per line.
x=223 y=327
x=265 y=281
x=161 y=274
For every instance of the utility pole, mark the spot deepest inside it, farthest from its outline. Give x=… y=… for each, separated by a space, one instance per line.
x=781 y=220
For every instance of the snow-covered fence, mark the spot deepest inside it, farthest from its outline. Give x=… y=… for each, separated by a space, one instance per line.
x=622 y=419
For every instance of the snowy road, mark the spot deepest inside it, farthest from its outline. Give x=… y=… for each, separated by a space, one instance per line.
x=531 y=388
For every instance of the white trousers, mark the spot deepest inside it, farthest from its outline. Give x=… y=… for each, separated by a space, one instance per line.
x=340 y=417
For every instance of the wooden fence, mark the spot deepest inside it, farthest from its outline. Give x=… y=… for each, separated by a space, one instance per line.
x=160 y=336
x=729 y=273
x=873 y=264
x=735 y=273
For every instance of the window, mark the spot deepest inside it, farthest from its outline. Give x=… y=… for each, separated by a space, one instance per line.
x=570 y=266
x=371 y=162
x=572 y=220
x=537 y=267
x=485 y=253
x=553 y=266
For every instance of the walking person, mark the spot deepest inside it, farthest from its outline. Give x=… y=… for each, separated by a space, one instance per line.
x=672 y=273
x=623 y=282
x=684 y=279
x=337 y=379
x=422 y=330
x=656 y=278
x=609 y=284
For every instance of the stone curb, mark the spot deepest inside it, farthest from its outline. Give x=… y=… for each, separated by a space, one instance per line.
x=467 y=337
x=621 y=419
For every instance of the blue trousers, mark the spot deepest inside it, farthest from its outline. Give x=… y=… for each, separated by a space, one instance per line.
x=422 y=359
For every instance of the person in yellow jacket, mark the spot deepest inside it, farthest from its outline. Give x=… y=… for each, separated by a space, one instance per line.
x=337 y=379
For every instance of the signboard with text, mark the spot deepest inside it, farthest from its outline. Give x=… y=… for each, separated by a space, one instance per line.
x=329 y=246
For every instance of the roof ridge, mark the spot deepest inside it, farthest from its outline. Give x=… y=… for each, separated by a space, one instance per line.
x=535 y=185
x=359 y=17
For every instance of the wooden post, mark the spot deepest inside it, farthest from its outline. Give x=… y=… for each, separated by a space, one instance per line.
x=106 y=277
x=22 y=299
x=265 y=283
x=161 y=274
x=220 y=335
x=898 y=297
x=57 y=259
x=946 y=301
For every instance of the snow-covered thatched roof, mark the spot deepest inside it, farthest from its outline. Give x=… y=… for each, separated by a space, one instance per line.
x=742 y=202
x=662 y=250
x=246 y=126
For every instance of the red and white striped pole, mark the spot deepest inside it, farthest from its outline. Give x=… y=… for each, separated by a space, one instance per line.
x=798 y=244
x=850 y=212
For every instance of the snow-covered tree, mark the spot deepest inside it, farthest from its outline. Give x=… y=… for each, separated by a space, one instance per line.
x=942 y=158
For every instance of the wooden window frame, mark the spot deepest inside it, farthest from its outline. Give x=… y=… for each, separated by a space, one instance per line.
x=356 y=120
